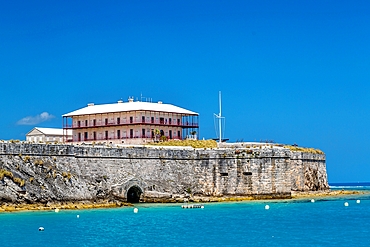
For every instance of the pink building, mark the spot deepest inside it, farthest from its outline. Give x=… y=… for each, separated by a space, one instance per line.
x=130 y=122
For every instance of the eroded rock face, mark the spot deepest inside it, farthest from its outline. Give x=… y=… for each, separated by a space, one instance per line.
x=308 y=172
x=49 y=173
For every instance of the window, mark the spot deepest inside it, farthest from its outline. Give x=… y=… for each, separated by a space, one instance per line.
x=178 y=121
x=106 y=121
x=143 y=133
x=118 y=134
x=143 y=119
x=118 y=120
x=78 y=123
x=170 y=134
x=86 y=123
x=178 y=134
x=79 y=137
x=94 y=135
x=106 y=134
x=94 y=122
x=131 y=133
x=152 y=119
x=169 y=121
x=161 y=120
x=131 y=119
x=86 y=136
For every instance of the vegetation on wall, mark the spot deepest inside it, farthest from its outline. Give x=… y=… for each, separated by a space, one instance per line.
x=190 y=143
x=9 y=174
x=305 y=150
x=67 y=175
x=5 y=173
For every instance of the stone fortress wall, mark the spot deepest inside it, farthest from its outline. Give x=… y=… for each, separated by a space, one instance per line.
x=57 y=172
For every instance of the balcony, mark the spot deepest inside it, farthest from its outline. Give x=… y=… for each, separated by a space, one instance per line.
x=122 y=138
x=130 y=123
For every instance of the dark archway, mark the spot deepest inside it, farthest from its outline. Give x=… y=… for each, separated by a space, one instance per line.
x=133 y=194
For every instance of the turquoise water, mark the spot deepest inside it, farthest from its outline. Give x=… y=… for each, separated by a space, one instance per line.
x=325 y=222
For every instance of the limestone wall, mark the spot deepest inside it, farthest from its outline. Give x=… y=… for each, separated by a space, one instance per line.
x=308 y=172
x=68 y=173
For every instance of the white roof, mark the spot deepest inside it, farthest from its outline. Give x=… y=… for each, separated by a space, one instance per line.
x=51 y=131
x=129 y=106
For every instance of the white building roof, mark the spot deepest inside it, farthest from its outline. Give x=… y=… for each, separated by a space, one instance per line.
x=129 y=106
x=49 y=131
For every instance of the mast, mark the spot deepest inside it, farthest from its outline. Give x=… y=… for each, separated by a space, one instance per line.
x=219 y=118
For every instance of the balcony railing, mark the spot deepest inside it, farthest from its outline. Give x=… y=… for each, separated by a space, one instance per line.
x=123 y=138
x=112 y=124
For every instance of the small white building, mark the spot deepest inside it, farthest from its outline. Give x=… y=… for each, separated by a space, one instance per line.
x=47 y=135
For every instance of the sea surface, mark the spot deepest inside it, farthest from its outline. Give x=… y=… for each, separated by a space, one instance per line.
x=324 y=222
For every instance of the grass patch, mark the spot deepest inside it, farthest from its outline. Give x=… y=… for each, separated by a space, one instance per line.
x=191 y=143
x=305 y=150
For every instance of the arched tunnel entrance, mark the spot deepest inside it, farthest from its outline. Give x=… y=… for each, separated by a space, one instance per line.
x=133 y=194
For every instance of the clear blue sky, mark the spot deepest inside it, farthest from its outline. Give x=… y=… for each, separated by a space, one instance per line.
x=289 y=71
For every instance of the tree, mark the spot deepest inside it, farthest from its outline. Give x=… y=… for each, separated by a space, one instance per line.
x=157 y=134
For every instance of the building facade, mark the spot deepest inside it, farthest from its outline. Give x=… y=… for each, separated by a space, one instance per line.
x=37 y=135
x=130 y=122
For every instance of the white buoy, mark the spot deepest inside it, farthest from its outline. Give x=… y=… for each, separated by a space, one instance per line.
x=41 y=229
x=56 y=210
x=136 y=210
x=312 y=200
x=358 y=201
x=78 y=216
x=346 y=204
x=267 y=207
x=202 y=207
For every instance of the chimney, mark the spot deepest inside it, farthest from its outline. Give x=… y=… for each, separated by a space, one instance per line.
x=90 y=104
